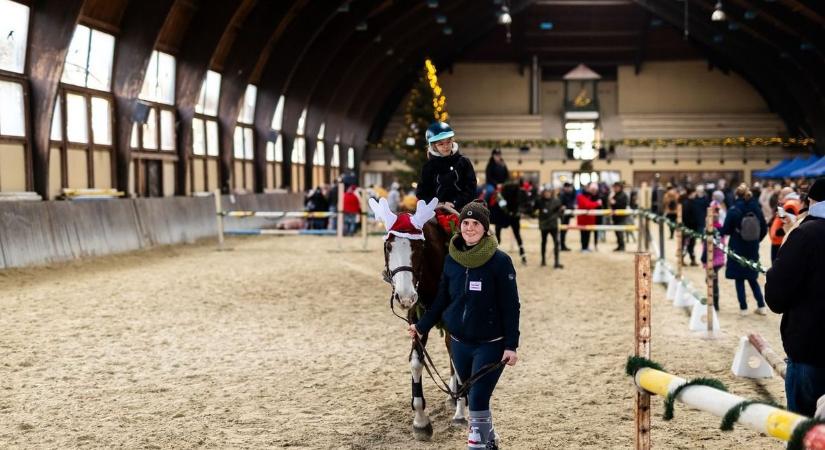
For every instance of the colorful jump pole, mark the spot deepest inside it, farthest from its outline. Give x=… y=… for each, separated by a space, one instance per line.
x=770 y=420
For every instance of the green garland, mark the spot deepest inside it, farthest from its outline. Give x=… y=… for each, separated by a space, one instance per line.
x=756 y=266
x=654 y=143
x=634 y=363
x=797 y=441
x=671 y=397
x=733 y=414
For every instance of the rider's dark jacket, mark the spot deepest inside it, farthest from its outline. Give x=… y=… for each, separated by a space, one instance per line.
x=449 y=178
x=477 y=305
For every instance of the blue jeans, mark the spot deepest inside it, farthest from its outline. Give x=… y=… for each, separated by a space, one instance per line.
x=804 y=384
x=350 y=224
x=757 y=293
x=469 y=359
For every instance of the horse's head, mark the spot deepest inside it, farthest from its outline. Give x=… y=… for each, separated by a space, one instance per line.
x=403 y=247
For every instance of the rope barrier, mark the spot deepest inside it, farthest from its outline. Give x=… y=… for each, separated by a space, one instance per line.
x=717 y=241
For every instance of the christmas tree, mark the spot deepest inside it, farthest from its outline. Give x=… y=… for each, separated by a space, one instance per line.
x=425 y=104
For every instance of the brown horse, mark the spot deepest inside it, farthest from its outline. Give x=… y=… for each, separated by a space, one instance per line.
x=414 y=251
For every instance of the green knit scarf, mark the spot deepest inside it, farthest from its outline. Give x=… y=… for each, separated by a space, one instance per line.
x=475 y=256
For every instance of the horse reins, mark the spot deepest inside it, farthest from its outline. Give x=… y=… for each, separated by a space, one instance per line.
x=427 y=361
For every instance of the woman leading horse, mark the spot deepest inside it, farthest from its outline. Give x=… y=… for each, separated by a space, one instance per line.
x=478 y=303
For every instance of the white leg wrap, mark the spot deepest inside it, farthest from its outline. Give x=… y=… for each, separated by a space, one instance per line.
x=459 y=404
x=421 y=419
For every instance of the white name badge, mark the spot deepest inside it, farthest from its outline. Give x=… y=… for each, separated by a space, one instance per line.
x=475 y=286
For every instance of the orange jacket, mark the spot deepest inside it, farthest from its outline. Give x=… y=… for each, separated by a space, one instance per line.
x=791 y=206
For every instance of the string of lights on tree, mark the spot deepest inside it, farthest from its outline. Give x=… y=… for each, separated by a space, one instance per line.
x=439 y=100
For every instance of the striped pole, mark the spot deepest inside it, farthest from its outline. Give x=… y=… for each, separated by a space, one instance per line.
x=218 y=211
x=599 y=212
x=279 y=214
x=301 y=232
x=766 y=419
x=600 y=227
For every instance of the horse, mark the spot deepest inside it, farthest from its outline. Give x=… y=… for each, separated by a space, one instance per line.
x=414 y=251
x=505 y=211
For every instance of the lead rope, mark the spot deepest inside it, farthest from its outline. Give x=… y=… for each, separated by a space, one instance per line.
x=432 y=371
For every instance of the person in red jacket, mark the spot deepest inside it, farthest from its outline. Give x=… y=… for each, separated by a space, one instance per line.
x=588 y=199
x=352 y=208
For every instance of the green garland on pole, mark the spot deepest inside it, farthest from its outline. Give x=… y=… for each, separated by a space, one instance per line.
x=756 y=266
x=733 y=414
x=702 y=381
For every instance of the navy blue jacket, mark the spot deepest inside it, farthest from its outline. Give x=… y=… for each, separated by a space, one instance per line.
x=477 y=305
x=449 y=178
x=746 y=249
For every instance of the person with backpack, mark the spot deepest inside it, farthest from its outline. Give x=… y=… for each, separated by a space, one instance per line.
x=746 y=227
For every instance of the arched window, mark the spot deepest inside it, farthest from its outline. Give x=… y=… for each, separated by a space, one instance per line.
x=275 y=150
x=153 y=142
x=81 y=154
x=15 y=153
x=350 y=158
x=244 y=148
x=335 y=161
x=204 y=158
x=319 y=159
x=298 y=156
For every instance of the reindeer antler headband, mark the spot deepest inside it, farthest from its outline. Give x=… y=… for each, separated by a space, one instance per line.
x=404 y=225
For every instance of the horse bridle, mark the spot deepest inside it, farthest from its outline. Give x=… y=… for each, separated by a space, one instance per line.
x=388 y=276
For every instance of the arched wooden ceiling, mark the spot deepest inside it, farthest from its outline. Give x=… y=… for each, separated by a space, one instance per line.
x=349 y=62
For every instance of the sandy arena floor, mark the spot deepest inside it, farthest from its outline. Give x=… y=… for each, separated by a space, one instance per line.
x=282 y=342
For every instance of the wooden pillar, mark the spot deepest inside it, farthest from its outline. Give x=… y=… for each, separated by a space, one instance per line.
x=213 y=20
x=51 y=28
x=142 y=22
x=642 y=348
x=679 y=241
x=710 y=273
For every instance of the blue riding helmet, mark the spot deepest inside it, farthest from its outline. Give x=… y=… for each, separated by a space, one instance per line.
x=439 y=131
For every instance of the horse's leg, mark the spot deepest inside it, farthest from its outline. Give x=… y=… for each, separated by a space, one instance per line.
x=455 y=384
x=422 y=428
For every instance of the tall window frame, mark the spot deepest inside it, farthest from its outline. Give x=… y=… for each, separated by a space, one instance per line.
x=15 y=128
x=319 y=159
x=83 y=120
x=204 y=164
x=335 y=161
x=154 y=143
x=243 y=149
x=275 y=149
x=298 y=156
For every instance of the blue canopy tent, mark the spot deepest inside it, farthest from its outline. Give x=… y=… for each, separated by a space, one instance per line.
x=800 y=163
x=816 y=169
x=767 y=172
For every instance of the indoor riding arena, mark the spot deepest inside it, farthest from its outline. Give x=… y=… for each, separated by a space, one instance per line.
x=220 y=219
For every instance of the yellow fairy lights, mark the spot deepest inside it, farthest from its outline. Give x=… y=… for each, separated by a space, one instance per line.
x=439 y=100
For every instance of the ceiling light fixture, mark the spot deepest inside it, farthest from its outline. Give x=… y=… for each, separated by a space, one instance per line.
x=718 y=14
x=504 y=18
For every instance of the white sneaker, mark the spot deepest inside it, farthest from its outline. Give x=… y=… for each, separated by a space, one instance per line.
x=743 y=312
x=762 y=311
